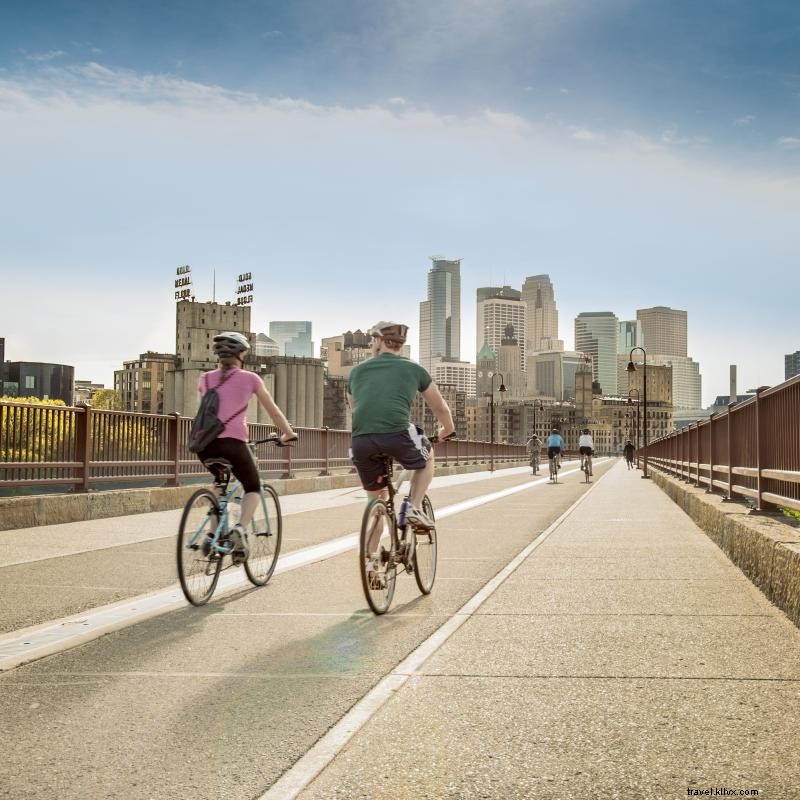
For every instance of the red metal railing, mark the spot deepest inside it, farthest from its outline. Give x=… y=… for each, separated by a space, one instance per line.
x=751 y=450
x=80 y=448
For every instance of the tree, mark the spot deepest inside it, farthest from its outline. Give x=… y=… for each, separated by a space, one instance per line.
x=107 y=399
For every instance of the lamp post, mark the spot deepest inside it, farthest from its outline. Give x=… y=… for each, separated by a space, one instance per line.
x=636 y=435
x=491 y=418
x=632 y=368
x=537 y=404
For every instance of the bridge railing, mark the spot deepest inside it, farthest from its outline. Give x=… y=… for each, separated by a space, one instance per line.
x=78 y=448
x=750 y=450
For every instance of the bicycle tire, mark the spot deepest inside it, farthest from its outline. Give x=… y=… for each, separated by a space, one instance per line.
x=378 y=584
x=198 y=568
x=425 y=552
x=265 y=536
x=553 y=471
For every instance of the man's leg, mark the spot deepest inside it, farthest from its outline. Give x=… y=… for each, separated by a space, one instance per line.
x=420 y=481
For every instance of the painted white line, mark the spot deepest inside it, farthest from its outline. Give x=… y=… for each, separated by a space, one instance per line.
x=29 y=644
x=299 y=776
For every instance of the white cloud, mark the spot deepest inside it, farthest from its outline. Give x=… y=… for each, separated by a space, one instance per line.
x=744 y=121
x=50 y=55
x=585 y=135
x=789 y=142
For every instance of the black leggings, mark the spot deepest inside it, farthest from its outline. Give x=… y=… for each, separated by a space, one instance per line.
x=238 y=453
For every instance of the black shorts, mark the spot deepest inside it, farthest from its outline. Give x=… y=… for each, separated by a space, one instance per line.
x=238 y=453
x=586 y=451
x=553 y=451
x=400 y=446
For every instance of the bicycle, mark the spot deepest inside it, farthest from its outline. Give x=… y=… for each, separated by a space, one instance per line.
x=555 y=465
x=388 y=541
x=203 y=534
x=586 y=466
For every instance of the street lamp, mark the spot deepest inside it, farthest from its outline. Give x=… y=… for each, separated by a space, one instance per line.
x=491 y=418
x=638 y=403
x=632 y=368
x=537 y=404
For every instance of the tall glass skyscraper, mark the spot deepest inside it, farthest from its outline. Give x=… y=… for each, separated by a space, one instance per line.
x=293 y=338
x=440 y=314
x=597 y=334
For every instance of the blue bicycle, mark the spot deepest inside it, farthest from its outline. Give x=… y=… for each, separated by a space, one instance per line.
x=203 y=536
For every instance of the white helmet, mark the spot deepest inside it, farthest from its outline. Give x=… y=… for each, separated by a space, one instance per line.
x=230 y=343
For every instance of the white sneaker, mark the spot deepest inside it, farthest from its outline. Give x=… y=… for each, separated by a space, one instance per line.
x=419 y=518
x=238 y=536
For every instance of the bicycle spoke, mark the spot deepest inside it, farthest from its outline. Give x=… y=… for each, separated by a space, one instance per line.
x=376 y=559
x=264 y=538
x=198 y=564
x=425 y=555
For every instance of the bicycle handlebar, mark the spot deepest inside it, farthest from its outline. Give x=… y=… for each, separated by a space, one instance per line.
x=276 y=440
x=436 y=440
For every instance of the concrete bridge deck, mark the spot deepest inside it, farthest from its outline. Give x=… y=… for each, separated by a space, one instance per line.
x=580 y=642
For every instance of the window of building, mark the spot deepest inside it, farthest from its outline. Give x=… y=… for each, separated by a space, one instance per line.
x=30 y=381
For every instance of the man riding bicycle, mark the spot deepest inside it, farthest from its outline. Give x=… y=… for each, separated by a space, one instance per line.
x=555 y=446
x=533 y=446
x=380 y=392
x=586 y=448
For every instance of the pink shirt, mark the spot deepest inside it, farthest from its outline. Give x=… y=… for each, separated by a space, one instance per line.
x=234 y=395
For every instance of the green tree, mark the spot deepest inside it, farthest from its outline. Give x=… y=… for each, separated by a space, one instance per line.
x=107 y=399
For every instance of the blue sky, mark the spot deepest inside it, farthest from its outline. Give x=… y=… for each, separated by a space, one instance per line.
x=641 y=153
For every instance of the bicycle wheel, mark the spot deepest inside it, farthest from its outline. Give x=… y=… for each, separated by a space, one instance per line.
x=553 y=472
x=264 y=534
x=425 y=553
x=198 y=566
x=378 y=570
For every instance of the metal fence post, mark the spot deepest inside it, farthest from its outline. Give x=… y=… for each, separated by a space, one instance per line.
x=173 y=448
x=761 y=505
x=325 y=445
x=729 y=498
x=83 y=445
x=697 y=452
x=710 y=489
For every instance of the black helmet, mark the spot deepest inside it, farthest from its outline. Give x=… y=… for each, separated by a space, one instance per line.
x=230 y=344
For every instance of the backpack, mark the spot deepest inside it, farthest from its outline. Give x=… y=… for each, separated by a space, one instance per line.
x=207 y=425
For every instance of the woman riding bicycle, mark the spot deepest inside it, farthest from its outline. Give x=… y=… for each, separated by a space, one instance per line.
x=586 y=447
x=235 y=386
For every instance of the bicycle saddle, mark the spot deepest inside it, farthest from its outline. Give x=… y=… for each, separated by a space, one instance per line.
x=217 y=462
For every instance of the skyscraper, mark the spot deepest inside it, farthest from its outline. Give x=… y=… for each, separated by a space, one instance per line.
x=293 y=337
x=499 y=306
x=792 y=365
x=630 y=335
x=542 y=315
x=440 y=314
x=663 y=330
x=597 y=335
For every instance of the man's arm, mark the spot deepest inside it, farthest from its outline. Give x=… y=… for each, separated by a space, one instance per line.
x=433 y=397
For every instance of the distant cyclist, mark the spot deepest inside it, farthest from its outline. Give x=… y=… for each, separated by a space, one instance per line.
x=555 y=446
x=380 y=392
x=586 y=448
x=629 y=451
x=533 y=447
x=235 y=386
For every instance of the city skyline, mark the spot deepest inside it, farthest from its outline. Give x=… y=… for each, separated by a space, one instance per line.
x=330 y=148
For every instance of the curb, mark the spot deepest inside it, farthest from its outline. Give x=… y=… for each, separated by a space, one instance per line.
x=31 y=511
x=765 y=548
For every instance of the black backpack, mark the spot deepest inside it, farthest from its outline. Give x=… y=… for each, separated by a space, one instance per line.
x=207 y=425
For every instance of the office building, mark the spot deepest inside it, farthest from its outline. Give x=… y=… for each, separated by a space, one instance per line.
x=342 y=353
x=509 y=365
x=687 y=383
x=792 y=365
x=38 y=379
x=597 y=335
x=541 y=332
x=140 y=382
x=499 y=306
x=552 y=374
x=264 y=346
x=460 y=374
x=440 y=314
x=293 y=338
x=83 y=391
x=663 y=330
x=630 y=335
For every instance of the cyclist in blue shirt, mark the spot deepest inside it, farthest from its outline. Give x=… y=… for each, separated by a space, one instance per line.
x=555 y=445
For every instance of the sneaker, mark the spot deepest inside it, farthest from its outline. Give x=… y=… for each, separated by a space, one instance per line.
x=419 y=518
x=238 y=537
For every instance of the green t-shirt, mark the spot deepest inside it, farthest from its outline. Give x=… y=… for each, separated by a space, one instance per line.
x=383 y=388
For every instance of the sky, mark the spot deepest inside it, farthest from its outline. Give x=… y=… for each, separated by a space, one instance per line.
x=640 y=152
